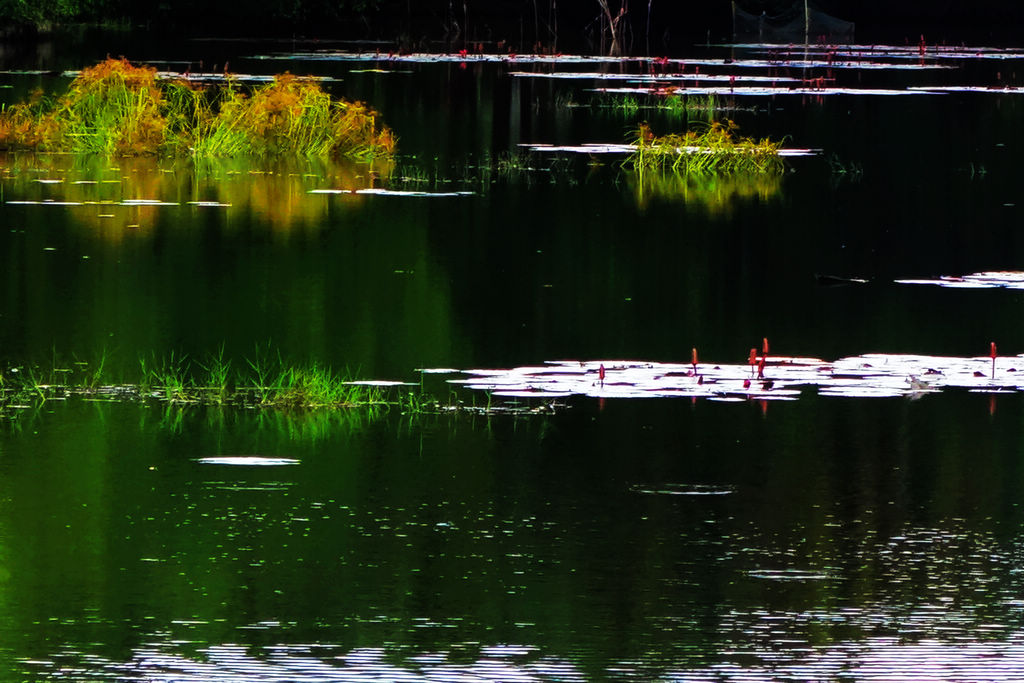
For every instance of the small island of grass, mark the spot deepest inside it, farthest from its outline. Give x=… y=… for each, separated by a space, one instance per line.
x=714 y=148
x=117 y=108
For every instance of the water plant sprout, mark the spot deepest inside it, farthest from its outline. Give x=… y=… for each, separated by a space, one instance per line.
x=117 y=108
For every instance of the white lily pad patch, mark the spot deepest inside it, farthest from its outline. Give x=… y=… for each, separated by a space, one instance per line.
x=431 y=58
x=1005 y=279
x=782 y=378
x=621 y=148
x=811 y=59
x=763 y=91
x=653 y=78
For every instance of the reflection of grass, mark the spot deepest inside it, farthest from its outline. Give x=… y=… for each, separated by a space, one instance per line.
x=676 y=106
x=691 y=106
x=711 y=149
x=99 y=189
x=115 y=108
x=716 y=192
x=479 y=172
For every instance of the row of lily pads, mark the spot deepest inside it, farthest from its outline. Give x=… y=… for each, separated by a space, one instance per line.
x=875 y=375
x=834 y=56
x=989 y=279
x=787 y=67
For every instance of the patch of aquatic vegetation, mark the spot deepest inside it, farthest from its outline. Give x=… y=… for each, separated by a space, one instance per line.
x=116 y=108
x=264 y=381
x=713 y=148
x=718 y=193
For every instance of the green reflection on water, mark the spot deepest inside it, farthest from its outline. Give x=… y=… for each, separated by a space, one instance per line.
x=339 y=278
x=718 y=194
x=506 y=531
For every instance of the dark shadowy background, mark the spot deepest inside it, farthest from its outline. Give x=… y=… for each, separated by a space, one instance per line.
x=655 y=26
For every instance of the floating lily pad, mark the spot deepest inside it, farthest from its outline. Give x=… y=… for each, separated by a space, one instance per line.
x=1007 y=279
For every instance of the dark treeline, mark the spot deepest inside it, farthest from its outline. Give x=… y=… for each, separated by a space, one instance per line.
x=629 y=26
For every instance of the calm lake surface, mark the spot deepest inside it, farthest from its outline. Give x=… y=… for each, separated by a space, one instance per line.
x=660 y=539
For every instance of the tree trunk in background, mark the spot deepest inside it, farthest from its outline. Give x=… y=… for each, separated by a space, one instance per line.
x=613 y=25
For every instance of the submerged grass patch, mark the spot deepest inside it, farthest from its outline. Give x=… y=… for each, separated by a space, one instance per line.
x=117 y=108
x=713 y=148
x=685 y=107
x=265 y=381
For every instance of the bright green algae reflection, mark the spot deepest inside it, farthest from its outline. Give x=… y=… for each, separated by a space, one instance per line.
x=139 y=257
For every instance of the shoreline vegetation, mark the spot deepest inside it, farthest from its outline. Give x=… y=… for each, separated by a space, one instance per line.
x=117 y=108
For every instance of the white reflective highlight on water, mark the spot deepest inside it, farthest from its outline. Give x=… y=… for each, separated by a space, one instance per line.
x=918 y=604
x=247 y=461
x=684 y=490
x=890 y=659
x=315 y=663
x=393 y=193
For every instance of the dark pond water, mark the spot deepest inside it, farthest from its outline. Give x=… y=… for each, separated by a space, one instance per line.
x=669 y=539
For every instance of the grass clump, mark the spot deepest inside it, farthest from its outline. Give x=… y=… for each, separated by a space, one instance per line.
x=264 y=381
x=290 y=115
x=117 y=108
x=713 y=148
